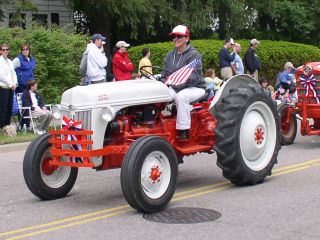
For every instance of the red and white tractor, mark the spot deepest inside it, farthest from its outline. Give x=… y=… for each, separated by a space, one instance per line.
x=105 y=126
x=306 y=108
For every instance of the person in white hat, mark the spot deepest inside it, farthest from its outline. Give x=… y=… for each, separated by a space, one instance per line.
x=251 y=60
x=122 y=66
x=225 y=59
x=287 y=76
x=96 y=60
x=192 y=87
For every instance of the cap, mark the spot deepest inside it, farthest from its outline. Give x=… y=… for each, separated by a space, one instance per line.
x=288 y=65
x=180 y=30
x=229 y=40
x=97 y=36
x=254 y=41
x=122 y=44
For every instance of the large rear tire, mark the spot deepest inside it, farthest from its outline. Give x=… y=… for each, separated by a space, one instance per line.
x=247 y=135
x=44 y=180
x=149 y=174
x=288 y=129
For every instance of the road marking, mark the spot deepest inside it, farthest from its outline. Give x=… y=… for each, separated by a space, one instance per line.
x=186 y=194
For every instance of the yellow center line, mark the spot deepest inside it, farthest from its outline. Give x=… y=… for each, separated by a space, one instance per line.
x=69 y=225
x=64 y=220
x=122 y=209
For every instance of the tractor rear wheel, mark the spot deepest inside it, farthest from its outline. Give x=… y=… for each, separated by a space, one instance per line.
x=149 y=174
x=247 y=135
x=289 y=128
x=44 y=180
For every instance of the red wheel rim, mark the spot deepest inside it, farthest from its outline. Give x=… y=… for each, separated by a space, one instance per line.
x=259 y=135
x=48 y=168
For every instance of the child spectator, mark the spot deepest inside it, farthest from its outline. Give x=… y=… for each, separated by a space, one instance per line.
x=211 y=80
x=30 y=98
x=265 y=84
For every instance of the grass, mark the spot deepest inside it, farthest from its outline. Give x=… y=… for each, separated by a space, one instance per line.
x=21 y=137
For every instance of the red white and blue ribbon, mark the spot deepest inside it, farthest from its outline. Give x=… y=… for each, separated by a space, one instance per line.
x=309 y=82
x=70 y=124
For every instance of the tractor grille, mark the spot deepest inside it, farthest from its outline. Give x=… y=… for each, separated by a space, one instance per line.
x=83 y=116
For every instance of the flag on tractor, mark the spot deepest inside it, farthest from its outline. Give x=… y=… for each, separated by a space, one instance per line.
x=181 y=76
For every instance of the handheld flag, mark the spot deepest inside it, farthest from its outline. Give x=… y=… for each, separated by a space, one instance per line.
x=181 y=76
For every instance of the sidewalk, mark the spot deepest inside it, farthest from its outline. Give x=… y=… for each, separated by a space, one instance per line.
x=13 y=147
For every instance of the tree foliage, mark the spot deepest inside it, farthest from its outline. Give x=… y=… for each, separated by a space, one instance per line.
x=141 y=21
x=19 y=6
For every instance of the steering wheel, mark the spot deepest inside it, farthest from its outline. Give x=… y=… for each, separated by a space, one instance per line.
x=149 y=75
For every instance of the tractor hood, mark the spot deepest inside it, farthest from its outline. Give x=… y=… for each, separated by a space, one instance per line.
x=117 y=94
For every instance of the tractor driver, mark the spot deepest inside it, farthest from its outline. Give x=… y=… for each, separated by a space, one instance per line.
x=186 y=83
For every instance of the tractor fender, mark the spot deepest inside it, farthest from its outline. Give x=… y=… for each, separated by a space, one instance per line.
x=231 y=83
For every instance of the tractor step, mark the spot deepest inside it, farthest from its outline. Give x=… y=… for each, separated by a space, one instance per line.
x=190 y=149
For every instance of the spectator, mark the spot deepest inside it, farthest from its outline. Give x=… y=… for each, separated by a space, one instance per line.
x=24 y=65
x=237 y=65
x=225 y=59
x=265 y=84
x=212 y=81
x=96 y=60
x=121 y=64
x=8 y=84
x=287 y=76
x=251 y=60
x=191 y=88
x=30 y=98
x=145 y=62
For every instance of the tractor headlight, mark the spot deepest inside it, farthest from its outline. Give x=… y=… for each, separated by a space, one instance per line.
x=108 y=113
x=56 y=112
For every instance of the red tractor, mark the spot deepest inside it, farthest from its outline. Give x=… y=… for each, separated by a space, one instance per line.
x=307 y=106
x=104 y=127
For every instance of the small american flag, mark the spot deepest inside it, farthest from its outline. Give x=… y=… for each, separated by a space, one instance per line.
x=181 y=76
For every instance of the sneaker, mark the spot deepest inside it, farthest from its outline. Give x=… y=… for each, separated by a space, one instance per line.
x=39 y=131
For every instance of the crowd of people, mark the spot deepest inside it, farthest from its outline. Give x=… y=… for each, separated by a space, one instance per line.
x=18 y=76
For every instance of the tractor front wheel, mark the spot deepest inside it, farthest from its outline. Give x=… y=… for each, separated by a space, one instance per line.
x=149 y=174
x=288 y=127
x=44 y=180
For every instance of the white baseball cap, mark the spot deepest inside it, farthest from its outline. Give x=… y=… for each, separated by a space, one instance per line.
x=180 y=30
x=254 y=41
x=122 y=44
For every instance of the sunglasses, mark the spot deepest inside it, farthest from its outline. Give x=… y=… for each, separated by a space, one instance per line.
x=177 y=36
x=5 y=49
x=25 y=49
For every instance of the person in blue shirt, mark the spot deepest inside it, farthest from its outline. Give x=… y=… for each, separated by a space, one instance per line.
x=24 y=65
x=287 y=76
x=237 y=63
x=225 y=59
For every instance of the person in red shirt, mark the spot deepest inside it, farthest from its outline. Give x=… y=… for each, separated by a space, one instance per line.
x=122 y=66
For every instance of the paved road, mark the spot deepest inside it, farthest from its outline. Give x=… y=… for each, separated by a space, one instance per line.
x=286 y=206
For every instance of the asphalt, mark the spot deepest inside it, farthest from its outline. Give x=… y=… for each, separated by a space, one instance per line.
x=13 y=147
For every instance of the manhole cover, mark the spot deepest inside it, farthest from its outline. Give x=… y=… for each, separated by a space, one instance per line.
x=183 y=216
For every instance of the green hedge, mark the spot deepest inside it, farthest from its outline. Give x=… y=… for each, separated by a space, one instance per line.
x=272 y=54
x=58 y=54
